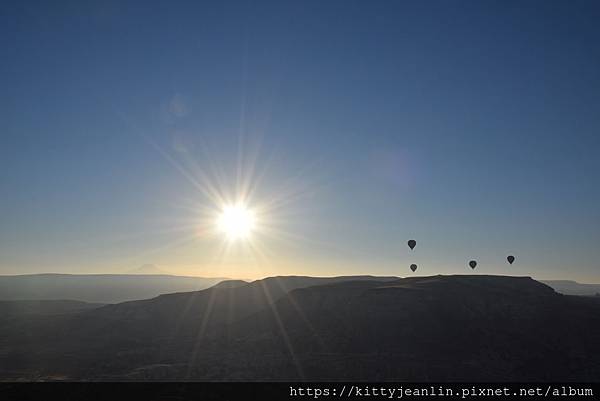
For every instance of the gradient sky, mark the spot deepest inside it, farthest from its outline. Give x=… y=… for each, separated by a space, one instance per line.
x=471 y=126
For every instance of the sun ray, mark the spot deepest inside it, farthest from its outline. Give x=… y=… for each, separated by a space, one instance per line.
x=284 y=334
x=202 y=330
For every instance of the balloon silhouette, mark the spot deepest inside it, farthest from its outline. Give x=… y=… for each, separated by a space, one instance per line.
x=472 y=263
x=412 y=243
x=510 y=259
x=413 y=267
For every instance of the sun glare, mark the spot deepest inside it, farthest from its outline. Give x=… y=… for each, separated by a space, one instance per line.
x=236 y=222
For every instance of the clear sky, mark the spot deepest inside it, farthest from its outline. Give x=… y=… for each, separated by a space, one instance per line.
x=471 y=126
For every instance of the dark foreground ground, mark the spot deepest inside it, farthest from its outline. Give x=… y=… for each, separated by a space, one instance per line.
x=440 y=328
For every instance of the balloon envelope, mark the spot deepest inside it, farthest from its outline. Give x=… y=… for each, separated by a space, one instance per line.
x=510 y=259
x=472 y=263
x=413 y=267
x=412 y=243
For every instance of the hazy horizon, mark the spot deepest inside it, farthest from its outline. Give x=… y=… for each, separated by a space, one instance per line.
x=248 y=140
x=249 y=279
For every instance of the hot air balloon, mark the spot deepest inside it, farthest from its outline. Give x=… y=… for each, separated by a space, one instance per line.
x=510 y=259
x=413 y=267
x=412 y=243
x=472 y=263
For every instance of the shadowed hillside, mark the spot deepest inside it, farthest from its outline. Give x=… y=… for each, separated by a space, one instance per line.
x=488 y=328
x=49 y=307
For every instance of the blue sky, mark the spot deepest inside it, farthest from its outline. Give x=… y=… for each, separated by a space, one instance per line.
x=472 y=126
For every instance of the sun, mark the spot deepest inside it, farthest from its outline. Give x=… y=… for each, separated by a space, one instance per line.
x=236 y=221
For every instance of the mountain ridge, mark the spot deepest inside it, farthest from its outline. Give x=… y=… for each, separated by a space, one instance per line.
x=461 y=327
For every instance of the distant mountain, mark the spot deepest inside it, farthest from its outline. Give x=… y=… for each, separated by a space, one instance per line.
x=440 y=328
x=147 y=269
x=569 y=287
x=99 y=288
